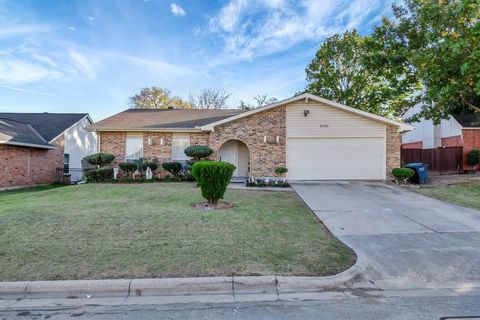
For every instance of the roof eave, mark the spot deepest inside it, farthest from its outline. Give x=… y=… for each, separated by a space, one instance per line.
x=31 y=145
x=114 y=129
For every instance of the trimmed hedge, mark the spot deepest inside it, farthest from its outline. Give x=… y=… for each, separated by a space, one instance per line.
x=127 y=167
x=198 y=152
x=152 y=165
x=281 y=170
x=173 y=167
x=213 y=178
x=402 y=174
x=99 y=175
x=100 y=159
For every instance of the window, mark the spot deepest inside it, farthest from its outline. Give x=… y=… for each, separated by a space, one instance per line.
x=133 y=147
x=179 y=143
x=66 y=163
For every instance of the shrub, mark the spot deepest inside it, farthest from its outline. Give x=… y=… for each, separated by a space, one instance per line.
x=104 y=174
x=198 y=152
x=127 y=167
x=100 y=159
x=473 y=157
x=213 y=178
x=173 y=167
x=153 y=165
x=281 y=170
x=402 y=174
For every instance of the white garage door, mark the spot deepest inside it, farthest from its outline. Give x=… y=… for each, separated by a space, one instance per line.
x=336 y=158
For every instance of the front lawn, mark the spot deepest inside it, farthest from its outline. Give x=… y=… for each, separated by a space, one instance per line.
x=466 y=194
x=151 y=230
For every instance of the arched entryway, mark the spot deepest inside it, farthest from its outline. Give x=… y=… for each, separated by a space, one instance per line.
x=236 y=153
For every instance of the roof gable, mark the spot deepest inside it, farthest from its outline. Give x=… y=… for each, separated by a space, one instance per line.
x=307 y=96
x=48 y=125
x=21 y=134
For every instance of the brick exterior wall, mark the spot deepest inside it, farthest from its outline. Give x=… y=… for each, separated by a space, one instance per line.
x=25 y=166
x=264 y=156
x=394 y=143
x=413 y=145
x=454 y=141
x=471 y=140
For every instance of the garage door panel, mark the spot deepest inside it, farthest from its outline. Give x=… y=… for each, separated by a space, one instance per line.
x=335 y=158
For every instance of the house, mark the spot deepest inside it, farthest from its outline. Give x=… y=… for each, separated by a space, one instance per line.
x=443 y=146
x=316 y=139
x=34 y=146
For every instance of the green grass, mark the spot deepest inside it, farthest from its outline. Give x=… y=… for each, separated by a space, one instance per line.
x=152 y=230
x=465 y=194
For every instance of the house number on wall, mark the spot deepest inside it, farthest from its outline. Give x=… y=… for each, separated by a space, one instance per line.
x=324 y=126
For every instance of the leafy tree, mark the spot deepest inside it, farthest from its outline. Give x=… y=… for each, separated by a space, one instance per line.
x=343 y=71
x=440 y=40
x=213 y=98
x=157 y=98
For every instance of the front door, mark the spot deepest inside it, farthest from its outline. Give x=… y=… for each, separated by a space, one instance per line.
x=228 y=153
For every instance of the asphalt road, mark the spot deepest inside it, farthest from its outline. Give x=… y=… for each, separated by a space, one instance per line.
x=415 y=308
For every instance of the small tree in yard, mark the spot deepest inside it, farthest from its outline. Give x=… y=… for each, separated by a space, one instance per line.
x=103 y=172
x=198 y=152
x=213 y=178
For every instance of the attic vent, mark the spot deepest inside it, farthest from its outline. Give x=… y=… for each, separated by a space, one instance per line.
x=171 y=107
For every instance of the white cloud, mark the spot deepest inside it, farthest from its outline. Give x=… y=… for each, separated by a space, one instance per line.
x=177 y=10
x=154 y=65
x=252 y=28
x=28 y=91
x=83 y=65
x=91 y=18
x=17 y=30
x=16 y=71
x=72 y=28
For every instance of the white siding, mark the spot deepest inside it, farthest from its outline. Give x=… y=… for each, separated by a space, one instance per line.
x=326 y=121
x=79 y=142
x=429 y=133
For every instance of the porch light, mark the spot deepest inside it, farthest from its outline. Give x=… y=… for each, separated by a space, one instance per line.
x=161 y=141
x=149 y=141
x=306 y=112
x=264 y=139
x=278 y=139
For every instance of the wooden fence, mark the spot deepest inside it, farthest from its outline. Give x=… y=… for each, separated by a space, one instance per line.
x=442 y=160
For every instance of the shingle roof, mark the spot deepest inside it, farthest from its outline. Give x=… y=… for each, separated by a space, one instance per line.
x=49 y=125
x=21 y=134
x=471 y=120
x=144 y=119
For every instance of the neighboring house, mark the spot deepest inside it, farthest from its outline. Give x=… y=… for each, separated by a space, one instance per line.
x=446 y=145
x=315 y=138
x=35 y=146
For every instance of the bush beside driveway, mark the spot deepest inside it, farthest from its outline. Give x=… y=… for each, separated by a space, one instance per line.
x=152 y=230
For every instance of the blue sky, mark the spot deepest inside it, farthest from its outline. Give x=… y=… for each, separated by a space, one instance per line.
x=91 y=55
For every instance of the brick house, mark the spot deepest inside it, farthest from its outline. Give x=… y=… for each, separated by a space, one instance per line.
x=33 y=146
x=443 y=146
x=314 y=138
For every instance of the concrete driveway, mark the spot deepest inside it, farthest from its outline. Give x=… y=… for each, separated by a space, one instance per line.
x=410 y=241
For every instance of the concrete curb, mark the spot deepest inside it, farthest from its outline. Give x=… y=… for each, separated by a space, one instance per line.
x=231 y=285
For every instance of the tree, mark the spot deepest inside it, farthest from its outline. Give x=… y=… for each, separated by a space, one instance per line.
x=260 y=99
x=342 y=71
x=157 y=98
x=440 y=40
x=212 y=98
x=264 y=99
